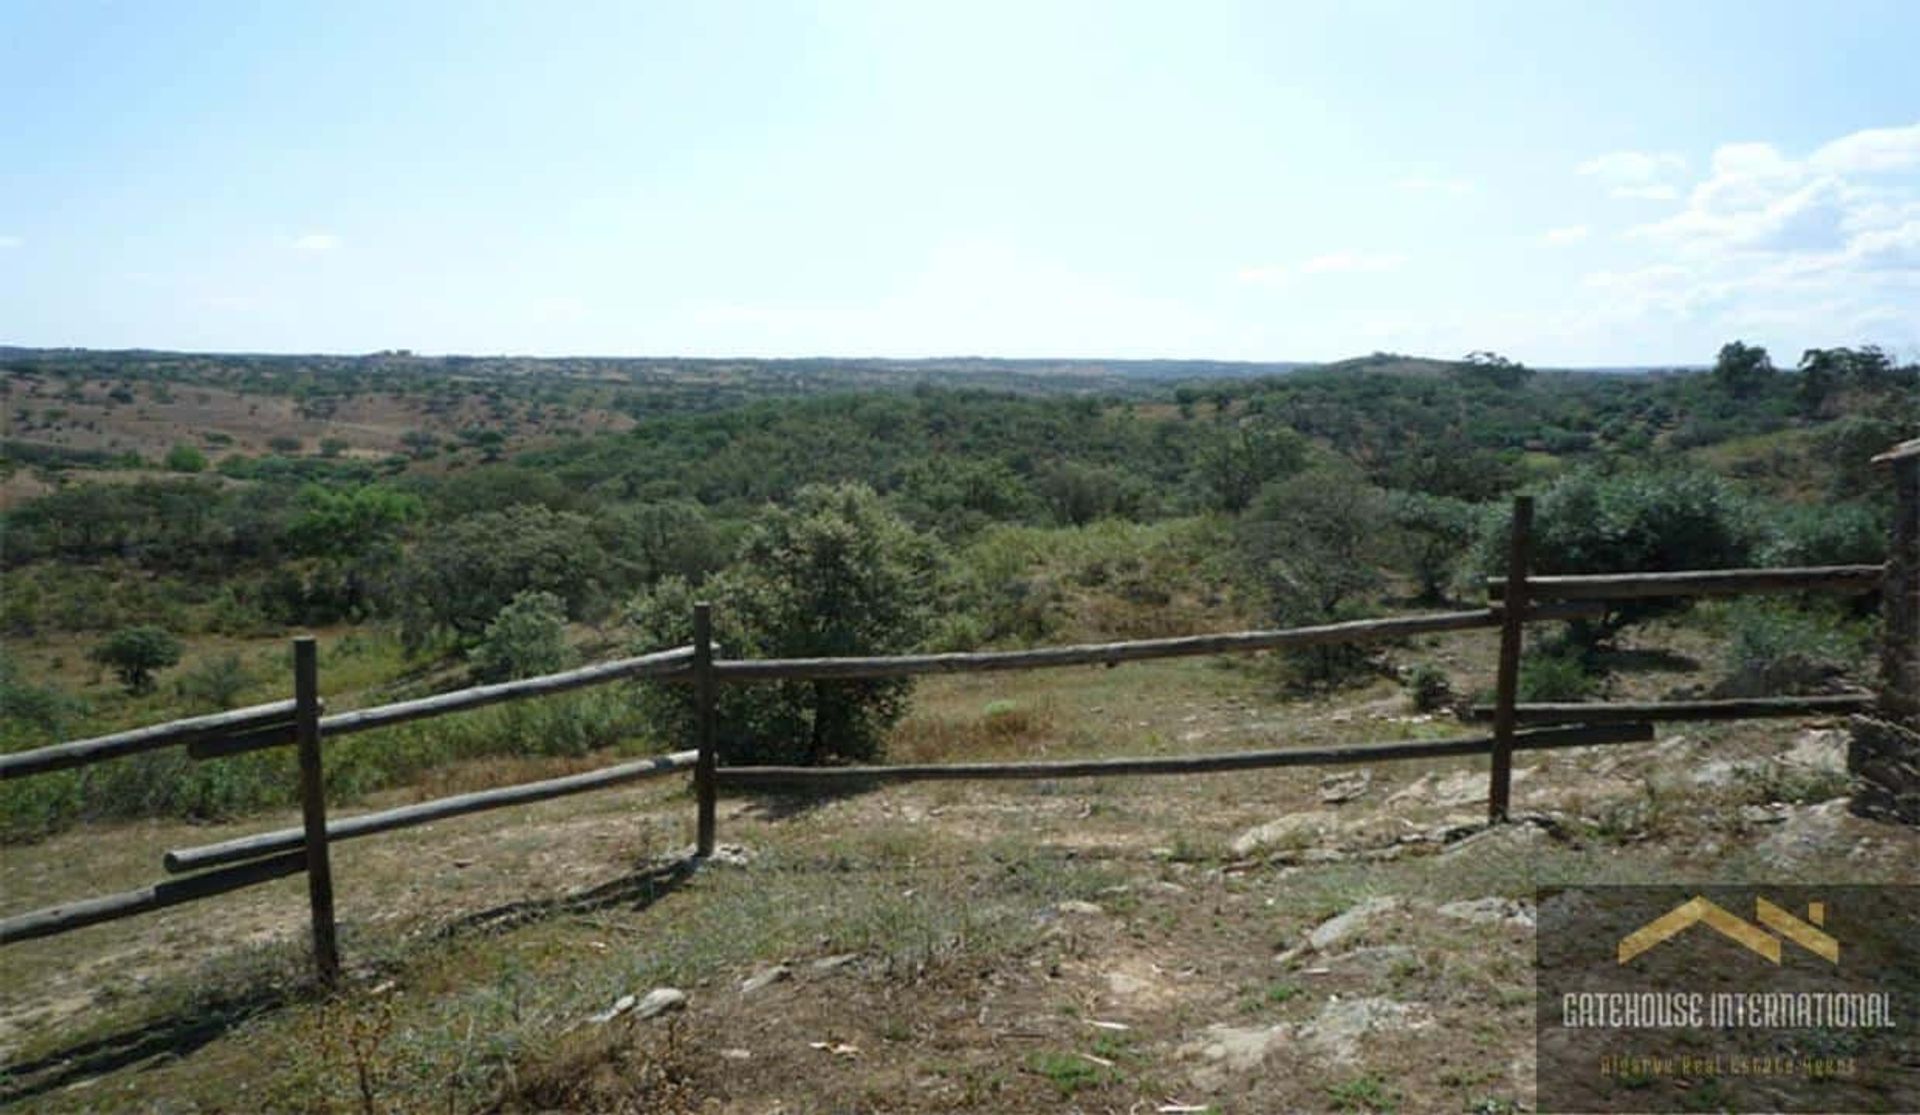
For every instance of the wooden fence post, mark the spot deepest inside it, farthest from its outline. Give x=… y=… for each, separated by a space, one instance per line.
x=313 y=807
x=703 y=695
x=1507 y=683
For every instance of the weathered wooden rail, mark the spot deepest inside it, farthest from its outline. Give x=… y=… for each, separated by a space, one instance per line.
x=1517 y=599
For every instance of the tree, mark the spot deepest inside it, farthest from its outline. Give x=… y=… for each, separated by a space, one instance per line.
x=528 y=638
x=134 y=653
x=1314 y=544
x=1742 y=369
x=838 y=574
x=420 y=444
x=346 y=544
x=1237 y=459
x=1434 y=532
x=1637 y=521
x=460 y=577
x=1493 y=368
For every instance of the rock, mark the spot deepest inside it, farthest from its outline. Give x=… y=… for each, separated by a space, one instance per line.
x=1336 y=1032
x=731 y=855
x=1462 y=787
x=1764 y=814
x=764 y=979
x=1295 y=830
x=1491 y=911
x=661 y=1000
x=620 y=1006
x=1811 y=832
x=1508 y=837
x=736 y=1054
x=1819 y=750
x=1341 y=928
x=1232 y=1049
x=1076 y=906
x=833 y=963
x=1336 y=788
x=658 y=1001
x=1716 y=773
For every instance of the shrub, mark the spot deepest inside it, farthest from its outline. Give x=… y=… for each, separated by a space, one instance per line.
x=1314 y=545
x=1555 y=674
x=1429 y=688
x=1591 y=522
x=1827 y=534
x=216 y=682
x=185 y=458
x=460 y=578
x=838 y=574
x=527 y=638
x=28 y=711
x=134 y=653
x=1773 y=649
x=1434 y=531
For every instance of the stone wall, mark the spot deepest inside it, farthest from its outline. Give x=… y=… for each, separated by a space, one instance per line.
x=1884 y=752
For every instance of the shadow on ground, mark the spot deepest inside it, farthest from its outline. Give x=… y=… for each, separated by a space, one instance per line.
x=202 y=1021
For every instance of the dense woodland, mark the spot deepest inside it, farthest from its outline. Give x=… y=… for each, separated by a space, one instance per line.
x=833 y=507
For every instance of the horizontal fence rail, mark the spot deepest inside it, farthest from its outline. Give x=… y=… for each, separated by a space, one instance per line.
x=1109 y=654
x=755 y=778
x=170 y=892
x=274 y=717
x=660 y=664
x=367 y=824
x=1698 y=582
x=1744 y=708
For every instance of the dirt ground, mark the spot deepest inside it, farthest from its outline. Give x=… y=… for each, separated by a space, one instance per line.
x=1151 y=944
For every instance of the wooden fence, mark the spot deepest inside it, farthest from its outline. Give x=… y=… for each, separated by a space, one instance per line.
x=1517 y=599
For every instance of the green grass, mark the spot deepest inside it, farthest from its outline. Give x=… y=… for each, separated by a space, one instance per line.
x=1068 y=1072
x=1363 y=1093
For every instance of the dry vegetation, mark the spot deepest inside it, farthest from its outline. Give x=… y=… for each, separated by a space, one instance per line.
x=1098 y=945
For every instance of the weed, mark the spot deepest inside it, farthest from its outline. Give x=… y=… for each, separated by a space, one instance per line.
x=1363 y=1093
x=1068 y=1072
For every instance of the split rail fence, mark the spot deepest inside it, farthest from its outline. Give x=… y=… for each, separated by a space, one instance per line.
x=1517 y=599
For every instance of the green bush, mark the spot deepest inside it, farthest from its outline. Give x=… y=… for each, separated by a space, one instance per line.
x=1555 y=674
x=527 y=638
x=1314 y=545
x=1827 y=534
x=1587 y=521
x=134 y=653
x=838 y=574
x=1429 y=688
x=185 y=458
x=1775 y=649
x=215 y=683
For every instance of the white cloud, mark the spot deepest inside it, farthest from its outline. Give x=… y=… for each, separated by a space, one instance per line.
x=1571 y=234
x=1642 y=175
x=1820 y=248
x=10 y=242
x=316 y=243
x=1894 y=249
x=1870 y=151
x=1429 y=184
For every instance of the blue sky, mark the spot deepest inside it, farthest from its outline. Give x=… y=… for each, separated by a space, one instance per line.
x=1569 y=184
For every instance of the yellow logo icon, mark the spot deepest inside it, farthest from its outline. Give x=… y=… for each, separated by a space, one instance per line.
x=1753 y=937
